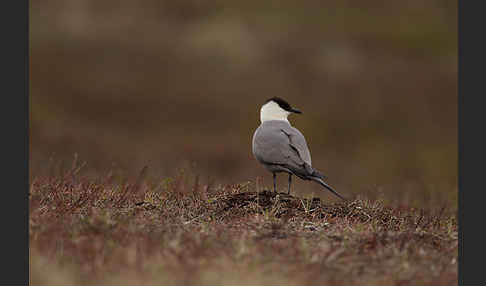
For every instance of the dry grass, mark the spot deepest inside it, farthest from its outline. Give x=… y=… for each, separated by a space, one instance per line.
x=105 y=231
x=178 y=84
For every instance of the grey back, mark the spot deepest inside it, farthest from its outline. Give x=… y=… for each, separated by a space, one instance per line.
x=276 y=142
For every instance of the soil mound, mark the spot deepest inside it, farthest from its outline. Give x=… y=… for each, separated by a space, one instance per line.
x=282 y=204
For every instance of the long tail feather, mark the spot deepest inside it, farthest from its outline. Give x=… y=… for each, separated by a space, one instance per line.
x=313 y=172
x=319 y=174
x=321 y=182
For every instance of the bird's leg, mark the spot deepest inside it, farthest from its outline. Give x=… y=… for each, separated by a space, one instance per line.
x=290 y=182
x=275 y=182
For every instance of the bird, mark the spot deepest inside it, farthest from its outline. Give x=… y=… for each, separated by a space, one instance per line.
x=281 y=148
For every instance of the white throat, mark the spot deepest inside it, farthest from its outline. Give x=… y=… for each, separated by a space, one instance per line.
x=272 y=111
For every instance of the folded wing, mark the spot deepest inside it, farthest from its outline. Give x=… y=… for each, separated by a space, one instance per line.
x=286 y=146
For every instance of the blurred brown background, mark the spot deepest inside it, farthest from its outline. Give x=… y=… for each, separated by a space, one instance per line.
x=178 y=85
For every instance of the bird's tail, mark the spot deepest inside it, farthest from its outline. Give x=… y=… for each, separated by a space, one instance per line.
x=311 y=172
x=322 y=183
x=318 y=174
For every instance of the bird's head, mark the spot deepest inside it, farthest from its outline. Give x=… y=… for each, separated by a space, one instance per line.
x=276 y=108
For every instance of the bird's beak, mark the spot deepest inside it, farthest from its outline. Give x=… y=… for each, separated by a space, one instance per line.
x=295 y=111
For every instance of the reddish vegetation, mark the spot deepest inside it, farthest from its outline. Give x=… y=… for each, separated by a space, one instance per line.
x=179 y=84
x=93 y=230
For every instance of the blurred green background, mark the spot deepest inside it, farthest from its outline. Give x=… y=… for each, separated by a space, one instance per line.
x=178 y=85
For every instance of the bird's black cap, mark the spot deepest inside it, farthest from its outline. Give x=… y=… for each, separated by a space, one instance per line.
x=283 y=104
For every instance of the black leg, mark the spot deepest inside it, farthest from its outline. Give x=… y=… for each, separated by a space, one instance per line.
x=274 y=182
x=290 y=182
